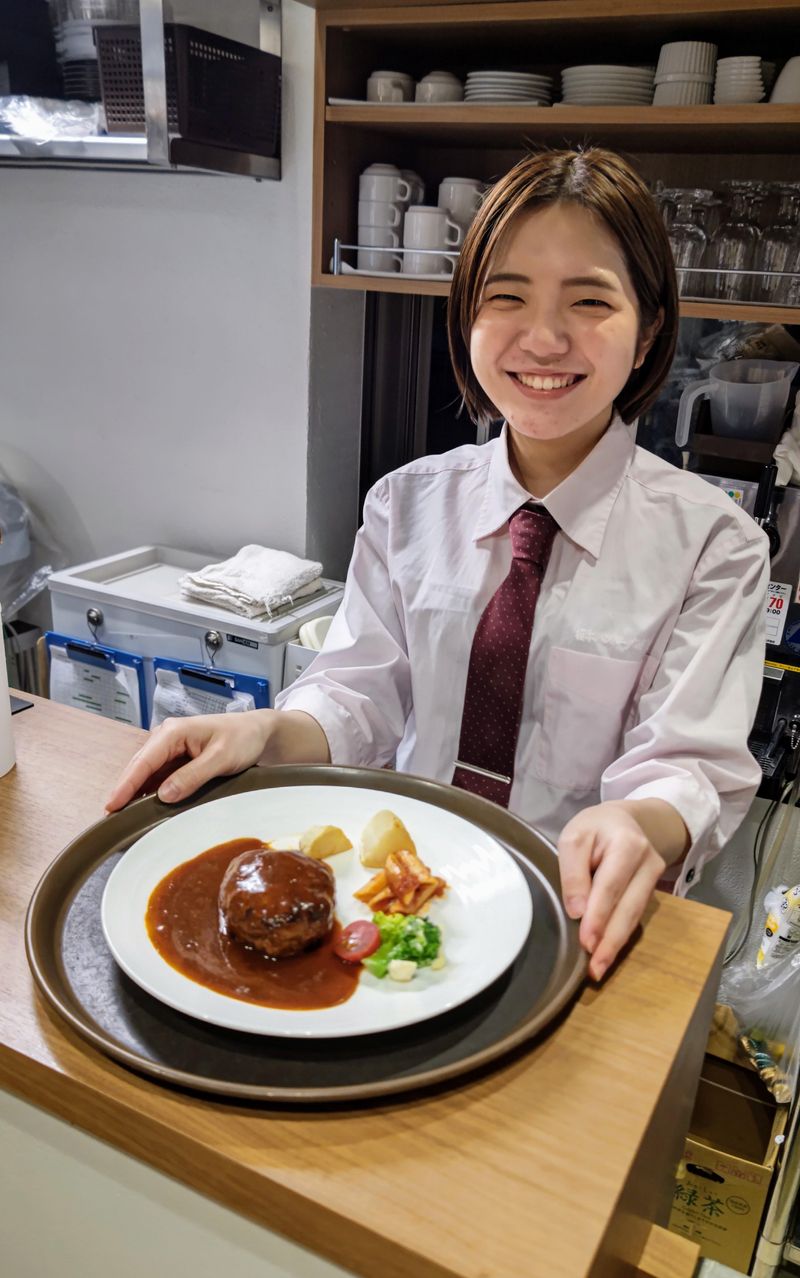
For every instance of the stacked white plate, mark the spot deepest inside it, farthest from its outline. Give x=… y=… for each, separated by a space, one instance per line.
x=607 y=85
x=508 y=86
x=739 y=80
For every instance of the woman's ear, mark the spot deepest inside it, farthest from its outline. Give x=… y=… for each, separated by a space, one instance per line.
x=647 y=337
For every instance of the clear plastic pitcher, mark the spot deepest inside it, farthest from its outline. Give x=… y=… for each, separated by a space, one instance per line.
x=748 y=399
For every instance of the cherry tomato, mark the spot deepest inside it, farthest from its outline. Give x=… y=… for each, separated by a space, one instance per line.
x=357 y=941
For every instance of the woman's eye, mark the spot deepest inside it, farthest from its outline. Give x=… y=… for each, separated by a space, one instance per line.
x=504 y=297
x=593 y=301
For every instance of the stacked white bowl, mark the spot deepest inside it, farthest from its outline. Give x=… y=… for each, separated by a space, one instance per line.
x=685 y=73
x=384 y=194
x=739 y=80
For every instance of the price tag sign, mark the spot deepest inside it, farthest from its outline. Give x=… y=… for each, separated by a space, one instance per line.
x=779 y=596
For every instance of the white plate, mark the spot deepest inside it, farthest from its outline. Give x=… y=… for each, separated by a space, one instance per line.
x=507 y=75
x=609 y=68
x=605 y=99
x=485 y=915
x=500 y=95
x=509 y=79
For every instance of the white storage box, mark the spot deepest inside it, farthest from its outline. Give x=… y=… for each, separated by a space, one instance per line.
x=142 y=611
x=297 y=659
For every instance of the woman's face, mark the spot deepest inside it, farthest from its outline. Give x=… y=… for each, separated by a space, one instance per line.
x=557 y=329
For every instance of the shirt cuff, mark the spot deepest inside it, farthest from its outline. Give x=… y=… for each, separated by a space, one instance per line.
x=700 y=812
x=344 y=741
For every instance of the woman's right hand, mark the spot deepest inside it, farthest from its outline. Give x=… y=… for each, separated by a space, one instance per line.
x=218 y=745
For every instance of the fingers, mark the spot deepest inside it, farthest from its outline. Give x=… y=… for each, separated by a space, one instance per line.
x=575 y=850
x=624 y=919
x=166 y=743
x=184 y=781
x=612 y=876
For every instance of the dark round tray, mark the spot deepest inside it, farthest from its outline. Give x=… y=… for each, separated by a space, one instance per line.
x=73 y=968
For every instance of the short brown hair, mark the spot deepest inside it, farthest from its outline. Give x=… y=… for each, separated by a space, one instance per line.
x=605 y=184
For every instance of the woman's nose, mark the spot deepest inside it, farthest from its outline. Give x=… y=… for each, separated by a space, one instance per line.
x=543 y=334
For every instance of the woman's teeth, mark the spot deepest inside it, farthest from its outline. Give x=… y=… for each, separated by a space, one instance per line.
x=546 y=383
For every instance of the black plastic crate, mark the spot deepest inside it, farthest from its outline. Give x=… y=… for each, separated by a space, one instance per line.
x=219 y=91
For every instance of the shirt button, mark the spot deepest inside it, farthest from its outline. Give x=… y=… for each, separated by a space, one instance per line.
x=689 y=875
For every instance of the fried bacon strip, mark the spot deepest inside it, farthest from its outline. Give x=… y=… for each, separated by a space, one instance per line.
x=404 y=886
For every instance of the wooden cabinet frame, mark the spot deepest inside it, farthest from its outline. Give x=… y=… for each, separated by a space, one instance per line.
x=685 y=146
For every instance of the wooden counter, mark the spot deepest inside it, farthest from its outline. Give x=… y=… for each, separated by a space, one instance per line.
x=554 y=1165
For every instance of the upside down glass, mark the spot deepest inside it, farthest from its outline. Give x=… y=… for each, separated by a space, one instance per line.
x=689 y=241
x=779 y=250
x=732 y=247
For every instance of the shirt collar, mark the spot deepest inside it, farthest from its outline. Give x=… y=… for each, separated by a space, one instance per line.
x=580 y=504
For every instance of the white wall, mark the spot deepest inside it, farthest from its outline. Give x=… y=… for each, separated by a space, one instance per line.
x=154 y=338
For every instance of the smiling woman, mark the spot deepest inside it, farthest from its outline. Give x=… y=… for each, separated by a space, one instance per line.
x=511 y=622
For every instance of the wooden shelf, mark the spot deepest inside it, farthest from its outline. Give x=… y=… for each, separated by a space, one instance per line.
x=744 y=312
x=760 y=127
x=657 y=13
x=679 y=146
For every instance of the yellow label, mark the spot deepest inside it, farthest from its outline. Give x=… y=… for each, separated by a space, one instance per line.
x=780 y=665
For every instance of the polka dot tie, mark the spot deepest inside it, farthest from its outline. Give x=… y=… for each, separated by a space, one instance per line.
x=498 y=662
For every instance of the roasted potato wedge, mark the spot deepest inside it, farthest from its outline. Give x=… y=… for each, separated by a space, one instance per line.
x=383 y=834
x=320 y=841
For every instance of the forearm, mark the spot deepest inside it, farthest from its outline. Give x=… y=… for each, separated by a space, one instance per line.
x=293 y=737
x=661 y=823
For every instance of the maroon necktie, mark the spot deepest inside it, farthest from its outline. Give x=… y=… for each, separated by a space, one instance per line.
x=498 y=662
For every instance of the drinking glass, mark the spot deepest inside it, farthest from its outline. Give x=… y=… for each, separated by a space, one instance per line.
x=732 y=247
x=689 y=240
x=667 y=200
x=779 y=249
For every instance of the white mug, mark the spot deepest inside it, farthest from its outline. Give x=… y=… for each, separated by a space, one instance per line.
x=383 y=182
x=439 y=91
x=417 y=186
x=461 y=198
x=428 y=227
x=379 y=213
x=390 y=86
x=377 y=237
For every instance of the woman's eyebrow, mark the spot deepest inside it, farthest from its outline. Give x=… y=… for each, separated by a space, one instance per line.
x=591 y=281
x=507 y=277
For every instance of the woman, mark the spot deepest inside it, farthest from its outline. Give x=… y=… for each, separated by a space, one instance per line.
x=557 y=619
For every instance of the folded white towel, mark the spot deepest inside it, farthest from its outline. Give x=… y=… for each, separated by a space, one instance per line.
x=256 y=580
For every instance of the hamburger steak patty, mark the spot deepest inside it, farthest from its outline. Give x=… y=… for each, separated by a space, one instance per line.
x=281 y=903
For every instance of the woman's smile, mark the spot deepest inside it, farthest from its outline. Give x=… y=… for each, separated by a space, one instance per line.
x=546 y=386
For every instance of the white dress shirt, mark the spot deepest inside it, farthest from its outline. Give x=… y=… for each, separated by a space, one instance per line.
x=647 y=651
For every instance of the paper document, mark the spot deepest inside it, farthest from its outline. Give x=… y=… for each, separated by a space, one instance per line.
x=172 y=698
x=113 y=693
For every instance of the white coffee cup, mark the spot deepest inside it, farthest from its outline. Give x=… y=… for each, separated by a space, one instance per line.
x=371 y=238
x=461 y=198
x=390 y=86
x=383 y=182
x=439 y=86
x=427 y=227
x=417 y=186
x=379 y=213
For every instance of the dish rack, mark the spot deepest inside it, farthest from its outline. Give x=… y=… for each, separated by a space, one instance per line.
x=218 y=90
x=689 y=290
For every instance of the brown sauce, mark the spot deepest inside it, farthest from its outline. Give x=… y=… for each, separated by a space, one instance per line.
x=183 y=924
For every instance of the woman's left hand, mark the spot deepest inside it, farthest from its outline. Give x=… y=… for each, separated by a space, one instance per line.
x=609 y=870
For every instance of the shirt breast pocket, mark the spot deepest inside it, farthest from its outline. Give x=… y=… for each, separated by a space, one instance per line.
x=586 y=701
